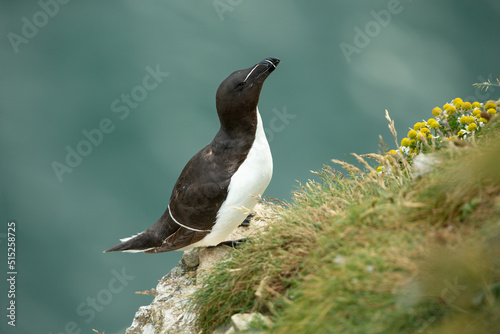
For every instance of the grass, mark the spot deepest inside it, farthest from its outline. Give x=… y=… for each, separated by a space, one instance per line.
x=375 y=252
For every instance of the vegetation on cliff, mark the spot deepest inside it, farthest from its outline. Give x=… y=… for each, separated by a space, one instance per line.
x=410 y=246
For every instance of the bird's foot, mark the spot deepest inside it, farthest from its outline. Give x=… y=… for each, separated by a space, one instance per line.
x=232 y=243
x=246 y=222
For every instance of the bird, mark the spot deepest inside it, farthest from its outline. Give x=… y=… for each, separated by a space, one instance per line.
x=227 y=175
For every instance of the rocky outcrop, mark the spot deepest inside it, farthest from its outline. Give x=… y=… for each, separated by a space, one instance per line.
x=168 y=312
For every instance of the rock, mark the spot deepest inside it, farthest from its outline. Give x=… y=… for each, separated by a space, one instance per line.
x=423 y=164
x=168 y=312
x=241 y=321
x=226 y=329
x=191 y=257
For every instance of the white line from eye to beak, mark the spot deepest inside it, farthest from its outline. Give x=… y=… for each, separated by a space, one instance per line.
x=250 y=72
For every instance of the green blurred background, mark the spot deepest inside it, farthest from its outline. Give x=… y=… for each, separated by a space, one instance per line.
x=63 y=64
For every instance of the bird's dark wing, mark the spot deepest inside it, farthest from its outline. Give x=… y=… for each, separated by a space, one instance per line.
x=201 y=189
x=199 y=193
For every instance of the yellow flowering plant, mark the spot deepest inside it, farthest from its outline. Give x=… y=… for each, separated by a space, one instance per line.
x=456 y=120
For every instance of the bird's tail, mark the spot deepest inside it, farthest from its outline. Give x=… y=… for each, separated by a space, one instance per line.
x=142 y=242
x=138 y=243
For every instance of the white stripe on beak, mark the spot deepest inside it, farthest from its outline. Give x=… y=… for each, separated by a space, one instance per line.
x=270 y=62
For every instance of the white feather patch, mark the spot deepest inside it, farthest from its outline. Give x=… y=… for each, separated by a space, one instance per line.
x=249 y=181
x=134 y=250
x=137 y=250
x=127 y=239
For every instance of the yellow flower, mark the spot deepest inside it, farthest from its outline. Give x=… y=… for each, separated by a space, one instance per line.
x=466 y=106
x=492 y=111
x=460 y=133
x=413 y=142
x=435 y=125
x=476 y=105
x=418 y=126
x=451 y=110
x=405 y=142
x=466 y=119
x=484 y=120
x=472 y=127
x=476 y=112
x=432 y=123
x=425 y=130
x=458 y=102
x=490 y=104
x=421 y=136
x=392 y=152
x=436 y=111
x=429 y=136
x=412 y=134
x=380 y=169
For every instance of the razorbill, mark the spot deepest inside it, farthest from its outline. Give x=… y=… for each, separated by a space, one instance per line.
x=221 y=179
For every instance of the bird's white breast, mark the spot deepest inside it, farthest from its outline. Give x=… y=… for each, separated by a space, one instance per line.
x=250 y=180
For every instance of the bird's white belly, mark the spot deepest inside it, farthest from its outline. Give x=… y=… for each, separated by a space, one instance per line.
x=250 y=180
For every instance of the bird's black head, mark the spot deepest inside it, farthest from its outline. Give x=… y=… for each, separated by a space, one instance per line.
x=238 y=95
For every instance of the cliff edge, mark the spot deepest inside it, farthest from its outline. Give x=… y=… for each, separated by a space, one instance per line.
x=169 y=311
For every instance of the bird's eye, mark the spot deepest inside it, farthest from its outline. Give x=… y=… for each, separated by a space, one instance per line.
x=240 y=84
